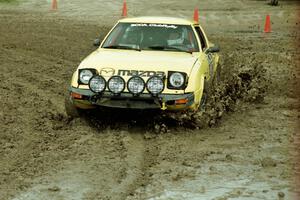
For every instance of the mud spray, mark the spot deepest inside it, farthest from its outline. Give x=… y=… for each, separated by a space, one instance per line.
x=246 y=83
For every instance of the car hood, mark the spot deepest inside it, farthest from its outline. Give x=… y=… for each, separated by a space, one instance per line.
x=129 y=62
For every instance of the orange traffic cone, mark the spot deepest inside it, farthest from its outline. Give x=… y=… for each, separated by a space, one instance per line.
x=196 y=15
x=268 y=24
x=124 y=11
x=54 y=4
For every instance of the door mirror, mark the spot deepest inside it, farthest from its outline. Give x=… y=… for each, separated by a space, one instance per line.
x=97 y=42
x=213 y=49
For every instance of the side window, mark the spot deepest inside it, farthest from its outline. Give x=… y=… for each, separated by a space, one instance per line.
x=201 y=37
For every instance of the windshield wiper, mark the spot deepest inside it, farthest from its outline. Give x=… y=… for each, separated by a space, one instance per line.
x=168 y=48
x=122 y=47
x=157 y=47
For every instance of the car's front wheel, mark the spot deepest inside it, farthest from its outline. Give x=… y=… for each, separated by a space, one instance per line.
x=71 y=110
x=204 y=96
x=217 y=77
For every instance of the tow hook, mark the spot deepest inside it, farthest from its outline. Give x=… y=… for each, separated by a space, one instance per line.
x=164 y=107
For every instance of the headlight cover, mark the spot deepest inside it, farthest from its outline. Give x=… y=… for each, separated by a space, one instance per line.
x=155 y=85
x=116 y=84
x=97 y=84
x=85 y=75
x=136 y=85
x=176 y=80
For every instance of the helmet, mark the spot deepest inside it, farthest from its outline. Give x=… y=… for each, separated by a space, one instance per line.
x=176 y=37
x=132 y=36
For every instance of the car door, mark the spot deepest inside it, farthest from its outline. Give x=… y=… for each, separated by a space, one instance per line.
x=206 y=58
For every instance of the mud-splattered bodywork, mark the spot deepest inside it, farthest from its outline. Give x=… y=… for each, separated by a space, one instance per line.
x=197 y=67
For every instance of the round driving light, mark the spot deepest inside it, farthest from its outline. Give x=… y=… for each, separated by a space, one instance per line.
x=176 y=80
x=97 y=84
x=116 y=84
x=136 y=85
x=85 y=75
x=155 y=85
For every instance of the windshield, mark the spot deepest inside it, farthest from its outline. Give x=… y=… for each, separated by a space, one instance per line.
x=158 y=37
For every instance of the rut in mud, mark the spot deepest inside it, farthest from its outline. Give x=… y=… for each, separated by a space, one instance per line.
x=134 y=155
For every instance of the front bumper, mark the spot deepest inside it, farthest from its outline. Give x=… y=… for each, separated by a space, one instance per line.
x=87 y=99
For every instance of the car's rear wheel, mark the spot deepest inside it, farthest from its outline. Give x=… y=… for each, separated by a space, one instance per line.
x=71 y=110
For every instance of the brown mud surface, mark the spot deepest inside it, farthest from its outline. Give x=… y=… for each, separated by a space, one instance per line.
x=244 y=146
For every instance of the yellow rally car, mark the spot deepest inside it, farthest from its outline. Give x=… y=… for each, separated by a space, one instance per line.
x=146 y=63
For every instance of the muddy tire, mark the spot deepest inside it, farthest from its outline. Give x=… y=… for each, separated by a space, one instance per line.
x=204 y=97
x=209 y=87
x=71 y=110
x=217 y=77
x=274 y=2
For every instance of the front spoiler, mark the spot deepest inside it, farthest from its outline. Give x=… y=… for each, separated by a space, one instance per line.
x=127 y=100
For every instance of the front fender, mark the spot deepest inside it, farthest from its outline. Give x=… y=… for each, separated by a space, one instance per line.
x=74 y=80
x=196 y=80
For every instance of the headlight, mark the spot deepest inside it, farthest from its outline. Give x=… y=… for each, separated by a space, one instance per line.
x=85 y=75
x=116 y=84
x=155 y=85
x=176 y=80
x=97 y=84
x=136 y=85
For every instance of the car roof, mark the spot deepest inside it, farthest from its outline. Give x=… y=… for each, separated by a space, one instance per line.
x=160 y=20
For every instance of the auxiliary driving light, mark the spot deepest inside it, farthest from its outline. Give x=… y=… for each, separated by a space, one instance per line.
x=155 y=85
x=116 y=84
x=97 y=84
x=136 y=85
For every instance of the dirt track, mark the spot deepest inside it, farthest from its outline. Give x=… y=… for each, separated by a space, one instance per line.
x=249 y=154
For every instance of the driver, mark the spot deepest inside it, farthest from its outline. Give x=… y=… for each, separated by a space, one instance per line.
x=132 y=37
x=176 y=37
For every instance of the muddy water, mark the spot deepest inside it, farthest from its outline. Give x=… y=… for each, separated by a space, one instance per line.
x=242 y=151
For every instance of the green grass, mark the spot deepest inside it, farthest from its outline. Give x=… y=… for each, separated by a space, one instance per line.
x=7 y=1
x=12 y=2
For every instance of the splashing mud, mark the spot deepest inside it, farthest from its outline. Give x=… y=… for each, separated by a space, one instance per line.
x=247 y=83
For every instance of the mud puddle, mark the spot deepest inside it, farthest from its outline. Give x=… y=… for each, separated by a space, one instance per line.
x=63 y=185
x=241 y=190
